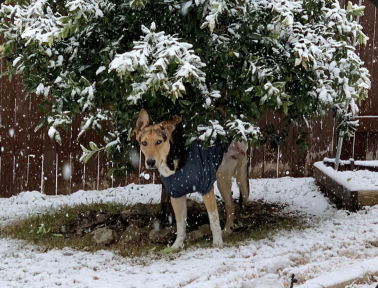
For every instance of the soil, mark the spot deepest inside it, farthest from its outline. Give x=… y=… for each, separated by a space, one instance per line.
x=144 y=218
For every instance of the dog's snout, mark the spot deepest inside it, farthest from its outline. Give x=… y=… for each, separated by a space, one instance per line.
x=151 y=163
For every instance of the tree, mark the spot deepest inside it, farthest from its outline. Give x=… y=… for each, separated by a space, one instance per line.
x=220 y=65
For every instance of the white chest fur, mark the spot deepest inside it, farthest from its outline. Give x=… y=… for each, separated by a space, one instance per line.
x=165 y=171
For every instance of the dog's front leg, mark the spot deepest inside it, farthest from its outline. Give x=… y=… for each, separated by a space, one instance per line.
x=179 y=207
x=212 y=210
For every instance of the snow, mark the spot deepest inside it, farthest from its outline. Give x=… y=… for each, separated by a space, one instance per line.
x=366 y=163
x=347 y=274
x=153 y=54
x=360 y=180
x=369 y=163
x=27 y=203
x=334 y=241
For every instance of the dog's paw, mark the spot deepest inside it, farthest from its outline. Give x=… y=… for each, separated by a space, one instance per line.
x=178 y=245
x=217 y=241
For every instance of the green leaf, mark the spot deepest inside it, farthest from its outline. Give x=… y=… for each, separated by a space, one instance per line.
x=204 y=25
x=40 y=124
x=173 y=98
x=50 y=40
x=57 y=235
x=285 y=108
x=88 y=156
x=65 y=127
x=66 y=32
x=349 y=7
x=349 y=179
x=186 y=102
x=42 y=108
x=93 y=146
x=152 y=249
x=362 y=38
x=85 y=150
x=111 y=172
x=168 y=250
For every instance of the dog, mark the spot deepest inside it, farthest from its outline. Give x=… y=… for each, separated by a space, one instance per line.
x=163 y=147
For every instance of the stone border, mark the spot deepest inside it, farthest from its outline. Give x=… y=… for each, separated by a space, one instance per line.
x=358 y=274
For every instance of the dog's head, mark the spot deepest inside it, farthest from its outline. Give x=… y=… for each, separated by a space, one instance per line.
x=155 y=140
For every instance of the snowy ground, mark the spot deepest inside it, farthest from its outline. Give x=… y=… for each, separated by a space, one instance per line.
x=336 y=240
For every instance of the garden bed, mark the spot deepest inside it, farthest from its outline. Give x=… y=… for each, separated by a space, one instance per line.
x=136 y=230
x=353 y=186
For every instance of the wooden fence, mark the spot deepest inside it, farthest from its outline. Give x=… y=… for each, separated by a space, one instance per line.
x=32 y=161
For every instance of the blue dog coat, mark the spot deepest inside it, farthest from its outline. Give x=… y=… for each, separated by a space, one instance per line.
x=199 y=172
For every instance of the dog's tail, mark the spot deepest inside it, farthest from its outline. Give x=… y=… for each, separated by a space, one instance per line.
x=241 y=202
x=242 y=175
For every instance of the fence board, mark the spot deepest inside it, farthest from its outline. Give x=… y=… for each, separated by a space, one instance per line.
x=49 y=165
x=21 y=137
x=133 y=157
x=299 y=157
x=321 y=134
x=64 y=163
x=77 y=168
x=367 y=52
x=91 y=167
x=7 y=152
x=270 y=156
x=7 y=135
x=104 y=166
x=360 y=146
x=103 y=163
x=34 y=166
x=256 y=162
x=371 y=150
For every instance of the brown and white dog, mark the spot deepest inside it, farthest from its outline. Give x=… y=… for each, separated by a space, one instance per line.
x=158 y=144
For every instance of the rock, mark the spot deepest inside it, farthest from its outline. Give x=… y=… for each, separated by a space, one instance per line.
x=88 y=220
x=79 y=232
x=205 y=229
x=161 y=236
x=85 y=219
x=136 y=223
x=101 y=218
x=154 y=209
x=104 y=236
x=132 y=235
x=127 y=214
x=194 y=235
x=141 y=209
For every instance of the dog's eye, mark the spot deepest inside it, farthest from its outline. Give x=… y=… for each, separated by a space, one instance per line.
x=158 y=142
x=144 y=143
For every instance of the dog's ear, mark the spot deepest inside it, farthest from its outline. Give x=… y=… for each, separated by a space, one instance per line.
x=142 y=122
x=171 y=124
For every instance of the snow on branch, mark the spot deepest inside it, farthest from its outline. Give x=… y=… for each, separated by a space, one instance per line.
x=211 y=131
x=35 y=21
x=150 y=59
x=89 y=8
x=243 y=131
